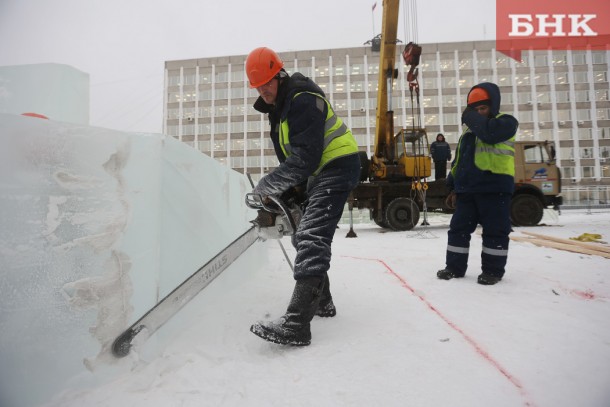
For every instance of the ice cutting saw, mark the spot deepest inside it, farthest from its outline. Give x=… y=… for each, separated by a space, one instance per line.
x=277 y=217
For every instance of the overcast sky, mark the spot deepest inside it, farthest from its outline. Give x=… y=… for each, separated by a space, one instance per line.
x=122 y=44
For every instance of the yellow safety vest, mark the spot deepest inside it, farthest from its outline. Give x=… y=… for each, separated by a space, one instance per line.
x=497 y=158
x=338 y=139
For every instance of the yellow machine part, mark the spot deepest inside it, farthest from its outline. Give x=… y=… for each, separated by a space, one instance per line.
x=416 y=166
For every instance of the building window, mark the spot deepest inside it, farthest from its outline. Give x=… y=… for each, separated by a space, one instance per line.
x=583 y=114
x=567 y=172
x=173 y=113
x=430 y=83
x=237 y=75
x=449 y=100
x=467 y=81
x=357 y=69
x=586 y=152
x=505 y=80
x=522 y=79
x=525 y=116
x=545 y=116
x=541 y=60
x=502 y=61
x=222 y=77
x=564 y=134
x=524 y=97
x=598 y=57
x=428 y=63
x=205 y=94
x=564 y=115
x=544 y=97
x=237 y=93
x=447 y=64
x=204 y=111
x=559 y=59
x=205 y=77
x=561 y=78
x=588 y=172
x=465 y=63
x=578 y=58
x=484 y=60
x=189 y=78
x=601 y=95
x=580 y=77
x=173 y=80
x=448 y=82
x=562 y=96
x=584 y=134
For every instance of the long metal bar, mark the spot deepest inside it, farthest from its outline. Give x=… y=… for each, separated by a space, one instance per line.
x=181 y=295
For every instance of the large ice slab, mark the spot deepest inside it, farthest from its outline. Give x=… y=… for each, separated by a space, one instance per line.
x=96 y=226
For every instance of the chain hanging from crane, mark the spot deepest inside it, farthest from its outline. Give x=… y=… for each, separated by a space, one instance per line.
x=411 y=55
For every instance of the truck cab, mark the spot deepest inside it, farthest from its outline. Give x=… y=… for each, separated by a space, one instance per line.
x=537 y=182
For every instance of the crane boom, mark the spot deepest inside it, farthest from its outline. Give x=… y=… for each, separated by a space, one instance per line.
x=387 y=73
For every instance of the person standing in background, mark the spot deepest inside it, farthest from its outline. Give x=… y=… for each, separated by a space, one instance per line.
x=481 y=182
x=441 y=153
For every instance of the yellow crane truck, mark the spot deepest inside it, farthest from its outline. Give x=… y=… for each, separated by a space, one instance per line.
x=393 y=183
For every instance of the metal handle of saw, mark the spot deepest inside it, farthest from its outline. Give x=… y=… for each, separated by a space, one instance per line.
x=255 y=201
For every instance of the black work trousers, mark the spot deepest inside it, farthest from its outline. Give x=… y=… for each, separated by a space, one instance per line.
x=327 y=194
x=440 y=169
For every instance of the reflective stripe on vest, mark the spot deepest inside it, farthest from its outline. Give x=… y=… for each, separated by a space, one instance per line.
x=338 y=139
x=497 y=158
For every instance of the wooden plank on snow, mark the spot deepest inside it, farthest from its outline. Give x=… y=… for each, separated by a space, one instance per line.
x=560 y=246
x=591 y=246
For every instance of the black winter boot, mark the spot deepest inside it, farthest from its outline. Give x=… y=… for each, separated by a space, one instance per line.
x=293 y=328
x=488 y=279
x=447 y=274
x=327 y=307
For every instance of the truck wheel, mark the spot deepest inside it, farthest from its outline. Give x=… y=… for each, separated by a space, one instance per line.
x=526 y=210
x=382 y=223
x=402 y=214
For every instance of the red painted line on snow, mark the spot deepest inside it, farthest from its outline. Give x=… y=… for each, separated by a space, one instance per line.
x=478 y=348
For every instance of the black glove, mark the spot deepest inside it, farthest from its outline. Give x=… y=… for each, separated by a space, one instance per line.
x=465 y=113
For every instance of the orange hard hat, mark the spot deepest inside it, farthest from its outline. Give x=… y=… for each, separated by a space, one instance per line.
x=262 y=65
x=477 y=95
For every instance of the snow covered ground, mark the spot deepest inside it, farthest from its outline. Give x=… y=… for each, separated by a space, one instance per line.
x=402 y=337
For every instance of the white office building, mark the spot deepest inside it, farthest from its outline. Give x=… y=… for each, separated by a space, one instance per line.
x=555 y=95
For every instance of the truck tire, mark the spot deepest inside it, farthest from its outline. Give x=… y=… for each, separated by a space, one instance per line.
x=402 y=214
x=382 y=223
x=526 y=210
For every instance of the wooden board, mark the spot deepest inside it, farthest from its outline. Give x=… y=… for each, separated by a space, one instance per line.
x=592 y=246
x=561 y=246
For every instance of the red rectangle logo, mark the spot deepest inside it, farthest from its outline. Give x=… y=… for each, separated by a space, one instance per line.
x=552 y=24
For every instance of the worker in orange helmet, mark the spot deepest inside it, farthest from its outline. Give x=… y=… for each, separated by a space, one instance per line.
x=481 y=182
x=319 y=155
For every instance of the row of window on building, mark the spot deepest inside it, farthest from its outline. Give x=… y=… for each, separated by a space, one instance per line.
x=429 y=86
x=447 y=62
